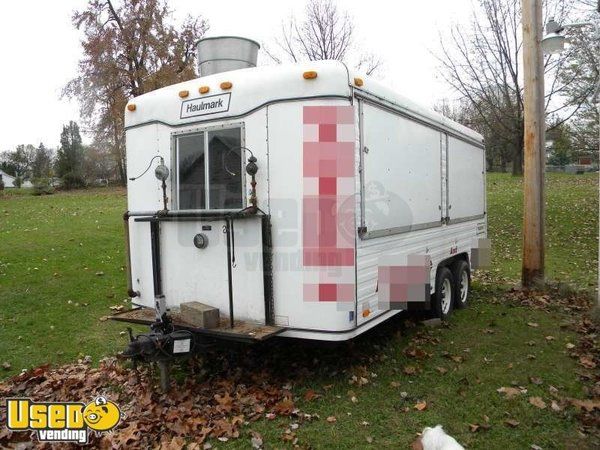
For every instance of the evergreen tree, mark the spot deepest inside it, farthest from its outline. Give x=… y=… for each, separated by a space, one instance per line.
x=42 y=162
x=562 y=145
x=69 y=158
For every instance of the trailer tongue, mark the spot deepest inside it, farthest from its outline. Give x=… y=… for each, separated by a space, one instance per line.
x=242 y=331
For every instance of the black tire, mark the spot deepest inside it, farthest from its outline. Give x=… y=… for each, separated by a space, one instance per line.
x=443 y=279
x=459 y=269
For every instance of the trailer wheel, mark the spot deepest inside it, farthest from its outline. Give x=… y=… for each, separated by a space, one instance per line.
x=444 y=293
x=462 y=275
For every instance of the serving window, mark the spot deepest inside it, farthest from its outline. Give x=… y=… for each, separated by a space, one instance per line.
x=209 y=170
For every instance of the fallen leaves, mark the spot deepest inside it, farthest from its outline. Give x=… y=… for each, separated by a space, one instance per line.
x=6 y=365
x=361 y=377
x=473 y=427
x=420 y=406
x=256 y=440
x=513 y=423
x=289 y=436
x=214 y=407
x=311 y=395
x=456 y=358
x=587 y=361
x=537 y=402
x=416 y=352
x=588 y=405
x=554 y=406
x=536 y=380
x=510 y=392
x=485 y=425
x=409 y=370
x=532 y=324
x=331 y=419
x=284 y=407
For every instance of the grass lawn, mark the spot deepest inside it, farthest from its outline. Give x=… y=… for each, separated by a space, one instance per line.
x=571 y=227
x=61 y=268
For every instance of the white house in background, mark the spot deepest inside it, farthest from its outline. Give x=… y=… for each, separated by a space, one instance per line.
x=9 y=180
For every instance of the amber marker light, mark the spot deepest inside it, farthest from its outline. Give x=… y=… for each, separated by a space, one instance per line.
x=131 y=107
x=203 y=89
x=309 y=75
x=184 y=94
x=226 y=85
x=358 y=82
x=366 y=312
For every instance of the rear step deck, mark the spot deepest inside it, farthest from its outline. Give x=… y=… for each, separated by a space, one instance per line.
x=241 y=331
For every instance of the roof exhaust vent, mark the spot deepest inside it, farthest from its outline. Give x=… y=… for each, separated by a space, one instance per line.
x=225 y=53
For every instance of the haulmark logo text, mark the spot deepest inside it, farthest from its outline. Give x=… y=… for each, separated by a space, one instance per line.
x=206 y=105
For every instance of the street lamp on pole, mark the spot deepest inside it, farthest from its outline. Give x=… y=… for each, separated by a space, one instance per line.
x=554 y=41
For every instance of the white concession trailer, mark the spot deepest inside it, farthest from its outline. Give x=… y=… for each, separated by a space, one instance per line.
x=300 y=200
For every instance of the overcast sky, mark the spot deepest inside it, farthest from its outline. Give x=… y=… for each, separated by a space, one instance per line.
x=41 y=49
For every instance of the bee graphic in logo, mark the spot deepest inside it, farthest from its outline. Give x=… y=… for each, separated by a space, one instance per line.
x=101 y=414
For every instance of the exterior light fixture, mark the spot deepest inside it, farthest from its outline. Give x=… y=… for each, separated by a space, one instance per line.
x=161 y=172
x=554 y=42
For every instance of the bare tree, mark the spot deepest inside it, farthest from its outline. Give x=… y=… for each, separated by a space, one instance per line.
x=483 y=63
x=324 y=32
x=498 y=154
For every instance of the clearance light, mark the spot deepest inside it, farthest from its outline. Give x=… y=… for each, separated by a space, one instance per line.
x=184 y=94
x=131 y=107
x=358 y=82
x=309 y=75
x=366 y=312
x=226 y=85
x=203 y=89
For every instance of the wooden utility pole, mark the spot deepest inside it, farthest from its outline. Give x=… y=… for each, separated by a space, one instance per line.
x=535 y=158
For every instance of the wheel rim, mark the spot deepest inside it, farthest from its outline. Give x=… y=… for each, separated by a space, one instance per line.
x=446 y=296
x=464 y=286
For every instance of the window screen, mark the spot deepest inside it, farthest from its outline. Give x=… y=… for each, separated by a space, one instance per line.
x=209 y=170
